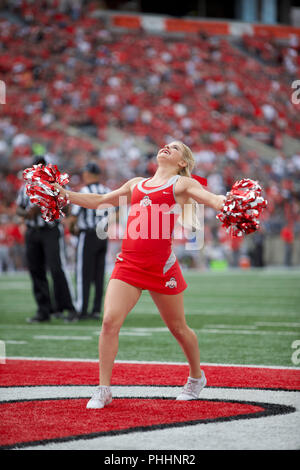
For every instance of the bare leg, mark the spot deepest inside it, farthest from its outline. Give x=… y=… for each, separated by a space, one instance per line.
x=171 y=309
x=119 y=300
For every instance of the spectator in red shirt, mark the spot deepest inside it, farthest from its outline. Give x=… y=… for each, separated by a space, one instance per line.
x=287 y=235
x=6 y=263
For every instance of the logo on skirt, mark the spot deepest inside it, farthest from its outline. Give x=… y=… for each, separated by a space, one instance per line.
x=171 y=283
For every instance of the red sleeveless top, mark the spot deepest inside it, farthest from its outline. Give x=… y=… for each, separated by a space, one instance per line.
x=152 y=217
x=147 y=260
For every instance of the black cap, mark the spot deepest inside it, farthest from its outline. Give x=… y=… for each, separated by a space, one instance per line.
x=39 y=159
x=93 y=168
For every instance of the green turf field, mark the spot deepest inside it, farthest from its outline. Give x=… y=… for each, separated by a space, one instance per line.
x=240 y=317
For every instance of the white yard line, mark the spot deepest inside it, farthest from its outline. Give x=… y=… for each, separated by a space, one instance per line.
x=12 y=341
x=210 y=329
x=149 y=362
x=63 y=338
x=274 y=323
x=248 y=332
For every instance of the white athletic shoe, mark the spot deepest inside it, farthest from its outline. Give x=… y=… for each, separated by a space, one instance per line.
x=192 y=388
x=100 y=398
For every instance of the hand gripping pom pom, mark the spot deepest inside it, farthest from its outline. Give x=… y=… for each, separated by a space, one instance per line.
x=242 y=208
x=39 y=187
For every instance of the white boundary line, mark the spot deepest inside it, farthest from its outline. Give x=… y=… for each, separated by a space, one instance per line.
x=151 y=362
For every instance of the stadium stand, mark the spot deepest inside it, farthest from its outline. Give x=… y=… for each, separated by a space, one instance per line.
x=80 y=87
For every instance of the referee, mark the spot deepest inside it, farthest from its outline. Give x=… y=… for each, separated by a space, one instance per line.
x=44 y=244
x=91 y=227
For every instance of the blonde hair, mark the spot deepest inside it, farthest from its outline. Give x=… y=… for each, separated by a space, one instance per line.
x=188 y=218
x=188 y=157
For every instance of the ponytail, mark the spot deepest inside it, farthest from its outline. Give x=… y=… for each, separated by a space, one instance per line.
x=188 y=219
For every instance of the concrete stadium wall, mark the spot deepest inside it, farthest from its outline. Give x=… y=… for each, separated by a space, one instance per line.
x=274 y=251
x=163 y=24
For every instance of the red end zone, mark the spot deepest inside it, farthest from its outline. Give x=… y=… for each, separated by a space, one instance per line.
x=21 y=372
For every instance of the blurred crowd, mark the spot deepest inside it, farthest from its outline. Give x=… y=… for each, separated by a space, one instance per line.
x=64 y=69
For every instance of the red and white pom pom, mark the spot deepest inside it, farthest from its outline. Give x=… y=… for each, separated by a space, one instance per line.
x=242 y=208
x=39 y=187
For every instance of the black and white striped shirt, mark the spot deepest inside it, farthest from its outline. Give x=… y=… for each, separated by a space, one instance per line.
x=88 y=219
x=23 y=202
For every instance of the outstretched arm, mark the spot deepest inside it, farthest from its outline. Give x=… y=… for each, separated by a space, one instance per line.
x=189 y=188
x=100 y=201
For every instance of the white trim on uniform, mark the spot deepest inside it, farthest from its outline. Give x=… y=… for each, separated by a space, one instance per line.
x=170 y=262
x=169 y=183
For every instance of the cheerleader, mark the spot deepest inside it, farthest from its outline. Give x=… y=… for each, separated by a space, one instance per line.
x=146 y=260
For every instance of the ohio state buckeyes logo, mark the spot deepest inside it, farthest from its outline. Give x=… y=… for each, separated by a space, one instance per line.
x=50 y=406
x=146 y=201
x=172 y=283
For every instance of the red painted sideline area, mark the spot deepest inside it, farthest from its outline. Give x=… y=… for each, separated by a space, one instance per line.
x=21 y=372
x=33 y=421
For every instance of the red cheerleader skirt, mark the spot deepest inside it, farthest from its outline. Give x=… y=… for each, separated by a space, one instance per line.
x=162 y=274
